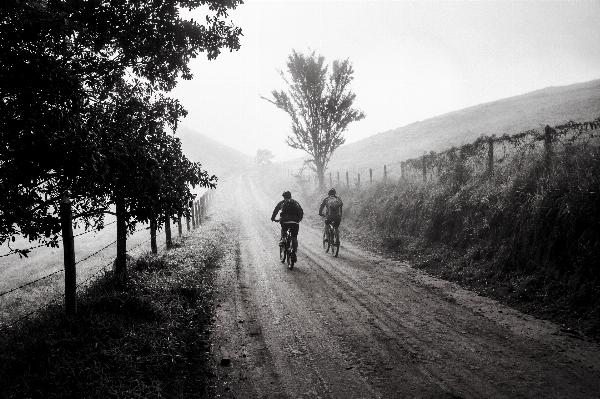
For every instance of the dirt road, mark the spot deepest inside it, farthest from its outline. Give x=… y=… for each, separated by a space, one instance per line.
x=361 y=326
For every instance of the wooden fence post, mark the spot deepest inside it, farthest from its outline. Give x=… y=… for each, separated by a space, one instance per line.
x=179 y=227
x=121 y=262
x=490 y=168
x=424 y=168
x=153 y=225
x=168 y=232
x=193 y=214
x=338 y=178
x=384 y=173
x=359 y=180
x=198 y=211
x=402 y=166
x=548 y=132
x=330 y=181
x=370 y=176
x=187 y=220
x=66 y=221
x=347 y=180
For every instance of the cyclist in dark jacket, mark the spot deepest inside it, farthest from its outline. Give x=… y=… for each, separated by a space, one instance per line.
x=290 y=217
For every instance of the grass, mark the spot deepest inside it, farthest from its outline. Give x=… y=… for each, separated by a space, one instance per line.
x=43 y=261
x=529 y=238
x=148 y=339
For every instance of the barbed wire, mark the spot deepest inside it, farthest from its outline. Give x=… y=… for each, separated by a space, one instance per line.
x=28 y=314
x=16 y=252
x=94 y=231
x=103 y=268
x=32 y=282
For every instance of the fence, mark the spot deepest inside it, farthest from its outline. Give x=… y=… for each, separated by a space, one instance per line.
x=97 y=265
x=488 y=155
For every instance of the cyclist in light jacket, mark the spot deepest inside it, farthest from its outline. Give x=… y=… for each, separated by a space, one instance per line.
x=333 y=205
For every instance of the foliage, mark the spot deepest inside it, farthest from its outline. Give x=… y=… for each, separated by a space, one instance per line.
x=64 y=65
x=319 y=104
x=141 y=161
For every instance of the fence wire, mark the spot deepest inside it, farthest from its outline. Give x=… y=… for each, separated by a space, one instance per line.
x=80 y=284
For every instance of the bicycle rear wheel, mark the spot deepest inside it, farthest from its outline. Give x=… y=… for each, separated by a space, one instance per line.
x=326 y=242
x=335 y=246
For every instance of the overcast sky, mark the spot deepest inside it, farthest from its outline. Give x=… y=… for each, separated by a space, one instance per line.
x=412 y=59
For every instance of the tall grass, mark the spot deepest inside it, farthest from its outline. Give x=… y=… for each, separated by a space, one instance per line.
x=531 y=238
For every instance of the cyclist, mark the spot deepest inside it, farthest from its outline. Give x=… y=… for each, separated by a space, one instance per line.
x=333 y=205
x=291 y=215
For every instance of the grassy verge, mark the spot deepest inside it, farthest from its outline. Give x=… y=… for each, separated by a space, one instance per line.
x=149 y=339
x=530 y=239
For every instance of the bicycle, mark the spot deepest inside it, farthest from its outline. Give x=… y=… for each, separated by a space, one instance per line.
x=285 y=252
x=331 y=240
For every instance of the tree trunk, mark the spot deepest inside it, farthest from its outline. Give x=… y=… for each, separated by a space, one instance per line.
x=121 y=262
x=66 y=221
x=321 y=175
x=168 y=232
x=153 y=245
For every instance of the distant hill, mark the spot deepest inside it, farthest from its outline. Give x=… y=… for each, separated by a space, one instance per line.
x=216 y=158
x=550 y=106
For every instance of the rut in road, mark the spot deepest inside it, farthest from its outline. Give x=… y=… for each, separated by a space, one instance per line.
x=361 y=326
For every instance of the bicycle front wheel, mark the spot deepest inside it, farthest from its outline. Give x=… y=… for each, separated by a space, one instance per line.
x=326 y=242
x=282 y=253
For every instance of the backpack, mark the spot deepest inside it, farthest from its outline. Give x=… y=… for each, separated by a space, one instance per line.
x=292 y=207
x=334 y=205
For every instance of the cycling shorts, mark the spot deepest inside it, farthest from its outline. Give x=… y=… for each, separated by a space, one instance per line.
x=333 y=219
x=294 y=228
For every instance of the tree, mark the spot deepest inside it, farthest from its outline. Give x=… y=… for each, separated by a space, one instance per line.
x=263 y=157
x=319 y=104
x=143 y=169
x=60 y=62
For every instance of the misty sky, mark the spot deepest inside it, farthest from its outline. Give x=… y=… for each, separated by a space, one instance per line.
x=412 y=59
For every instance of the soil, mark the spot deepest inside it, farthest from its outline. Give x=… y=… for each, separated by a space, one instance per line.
x=361 y=325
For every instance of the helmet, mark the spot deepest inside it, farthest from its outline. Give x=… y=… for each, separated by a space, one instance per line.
x=331 y=192
x=286 y=194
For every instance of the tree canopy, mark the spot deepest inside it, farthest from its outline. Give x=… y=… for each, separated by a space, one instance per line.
x=82 y=110
x=320 y=105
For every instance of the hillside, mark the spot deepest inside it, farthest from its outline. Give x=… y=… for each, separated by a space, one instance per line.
x=549 y=106
x=216 y=158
